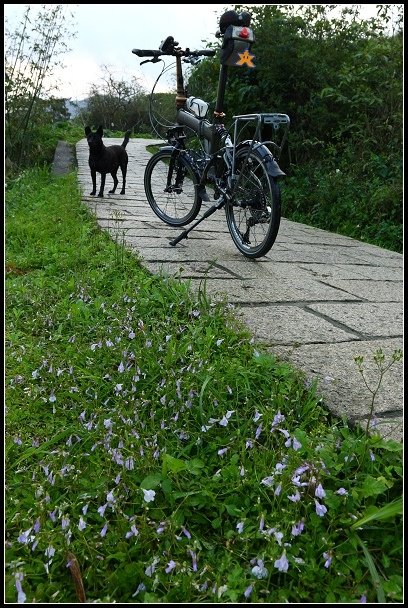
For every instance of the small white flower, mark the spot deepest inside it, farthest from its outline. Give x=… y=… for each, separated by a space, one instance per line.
x=149 y=495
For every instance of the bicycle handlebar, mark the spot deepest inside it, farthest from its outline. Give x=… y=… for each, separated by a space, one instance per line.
x=147 y=53
x=185 y=53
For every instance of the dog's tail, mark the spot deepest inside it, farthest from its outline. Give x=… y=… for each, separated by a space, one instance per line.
x=127 y=137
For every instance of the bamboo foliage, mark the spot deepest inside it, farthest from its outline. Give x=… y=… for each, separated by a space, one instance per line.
x=32 y=52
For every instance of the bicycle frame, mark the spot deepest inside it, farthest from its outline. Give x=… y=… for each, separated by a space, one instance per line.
x=225 y=161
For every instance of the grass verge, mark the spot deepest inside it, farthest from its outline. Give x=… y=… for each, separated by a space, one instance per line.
x=155 y=454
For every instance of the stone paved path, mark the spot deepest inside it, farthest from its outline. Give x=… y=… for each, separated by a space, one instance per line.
x=317 y=299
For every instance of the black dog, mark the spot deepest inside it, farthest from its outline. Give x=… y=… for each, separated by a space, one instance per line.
x=106 y=159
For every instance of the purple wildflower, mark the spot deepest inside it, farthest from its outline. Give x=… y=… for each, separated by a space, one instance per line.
x=225 y=418
x=296 y=482
x=186 y=532
x=302 y=469
x=277 y=419
x=101 y=510
x=279 y=536
x=278 y=489
x=150 y=569
x=110 y=498
x=21 y=596
x=248 y=591
x=52 y=516
x=222 y=451
x=295 y=497
x=140 y=587
x=82 y=523
x=170 y=566
x=342 y=492
x=104 y=530
x=49 y=552
x=133 y=532
x=129 y=464
x=259 y=571
x=24 y=536
x=267 y=481
x=240 y=527
x=282 y=564
x=298 y=528
x=296 y=444
x=319 y=492
x=193 y=559
x=328 y=557
x=320 y=509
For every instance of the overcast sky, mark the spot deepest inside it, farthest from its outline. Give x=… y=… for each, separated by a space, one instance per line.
x=106 y=35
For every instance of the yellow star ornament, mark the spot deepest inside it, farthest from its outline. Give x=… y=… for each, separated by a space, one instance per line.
x=245 y=59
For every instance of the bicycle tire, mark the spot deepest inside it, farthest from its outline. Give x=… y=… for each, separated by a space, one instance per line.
x=254 y=212
x=174 y=199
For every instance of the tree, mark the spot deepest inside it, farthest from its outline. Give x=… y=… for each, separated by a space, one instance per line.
x=116 y=104
x=32 y=52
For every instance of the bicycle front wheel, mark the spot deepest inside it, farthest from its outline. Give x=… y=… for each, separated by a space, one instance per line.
x=170 y=183
x=254 y=213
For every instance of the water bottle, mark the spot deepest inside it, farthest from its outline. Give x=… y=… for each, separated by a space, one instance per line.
x=197 y=106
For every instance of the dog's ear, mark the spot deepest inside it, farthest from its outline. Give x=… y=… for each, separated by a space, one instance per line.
x=100 y=130
x=87 y=130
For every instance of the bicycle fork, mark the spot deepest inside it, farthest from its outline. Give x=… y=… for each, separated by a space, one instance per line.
x=177 y=186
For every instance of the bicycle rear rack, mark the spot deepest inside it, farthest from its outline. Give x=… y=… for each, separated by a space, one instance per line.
x=276 y=120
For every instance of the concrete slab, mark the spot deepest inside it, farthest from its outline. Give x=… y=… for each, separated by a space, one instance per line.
x=343 y=388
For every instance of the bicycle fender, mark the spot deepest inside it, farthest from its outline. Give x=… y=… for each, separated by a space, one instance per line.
x=266 y=156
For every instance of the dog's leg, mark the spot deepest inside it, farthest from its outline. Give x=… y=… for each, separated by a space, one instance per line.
x=124 y=168
x=115 y=183
x=93 y=177
x=103 y=176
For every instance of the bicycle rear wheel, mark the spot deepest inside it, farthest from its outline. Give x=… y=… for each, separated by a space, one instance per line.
x=170 y=183
x=254 y=213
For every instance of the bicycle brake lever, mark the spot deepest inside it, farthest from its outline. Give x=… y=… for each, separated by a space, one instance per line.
x=154 y=60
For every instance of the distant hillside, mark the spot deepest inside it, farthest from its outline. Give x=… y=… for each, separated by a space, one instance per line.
x=74 y=106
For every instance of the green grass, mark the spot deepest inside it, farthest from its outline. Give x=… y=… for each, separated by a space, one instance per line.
x=152 y=443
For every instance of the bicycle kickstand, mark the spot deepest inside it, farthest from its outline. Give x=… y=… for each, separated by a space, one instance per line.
x=209 y=212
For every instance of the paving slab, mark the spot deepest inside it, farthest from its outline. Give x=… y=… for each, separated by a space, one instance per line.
x=317 y=299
